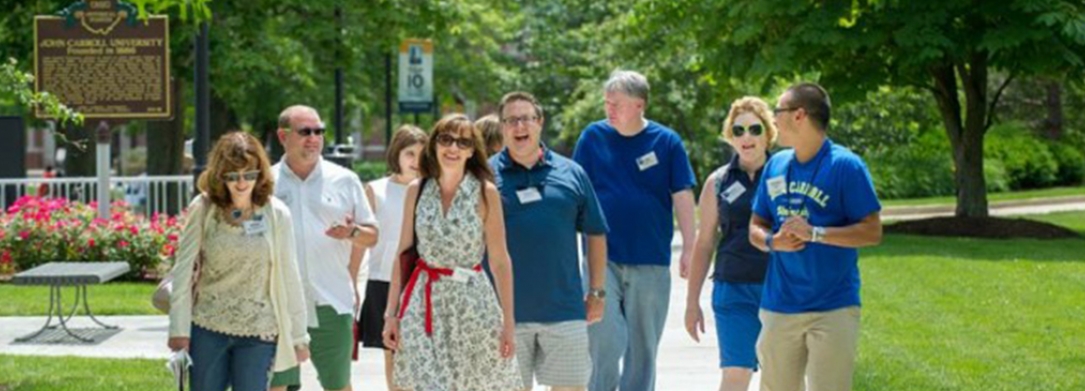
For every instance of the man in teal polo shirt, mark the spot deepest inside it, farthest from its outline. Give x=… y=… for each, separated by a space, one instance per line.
x=547 y=198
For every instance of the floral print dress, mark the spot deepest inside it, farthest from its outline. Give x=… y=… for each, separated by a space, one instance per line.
x=461 y=353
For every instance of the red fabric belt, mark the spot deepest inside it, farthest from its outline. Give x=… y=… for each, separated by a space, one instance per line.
x=434 y=274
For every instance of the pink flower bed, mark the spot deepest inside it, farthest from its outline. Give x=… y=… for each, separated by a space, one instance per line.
x=37 y=230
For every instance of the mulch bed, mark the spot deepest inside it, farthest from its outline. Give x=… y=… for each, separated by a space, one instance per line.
x=982 y=227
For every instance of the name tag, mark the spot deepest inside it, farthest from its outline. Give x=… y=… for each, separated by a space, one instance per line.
x=647 y=161
x=733 y=192
x=461 y=275
x=777 y=187
x=256 y=226
x=528 y=195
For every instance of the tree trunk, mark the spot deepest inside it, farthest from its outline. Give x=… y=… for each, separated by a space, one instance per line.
x=1053 y=124
x=165 y=148
x=222 y=119
x=965 y=137
x=80 y=160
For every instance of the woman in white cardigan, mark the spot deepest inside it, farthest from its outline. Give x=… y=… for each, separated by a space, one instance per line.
x=242 y=314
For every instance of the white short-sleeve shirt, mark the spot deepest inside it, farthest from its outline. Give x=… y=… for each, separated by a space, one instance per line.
x=326 y=197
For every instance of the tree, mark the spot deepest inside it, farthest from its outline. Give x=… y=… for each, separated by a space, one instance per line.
x=949 y=48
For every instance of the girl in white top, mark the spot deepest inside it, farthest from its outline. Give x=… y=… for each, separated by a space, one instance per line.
x=244 y=311
x=386 y=198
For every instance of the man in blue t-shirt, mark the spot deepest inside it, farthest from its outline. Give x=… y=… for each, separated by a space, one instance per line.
x=547 y=199
x=815 y=206
x=643 y=177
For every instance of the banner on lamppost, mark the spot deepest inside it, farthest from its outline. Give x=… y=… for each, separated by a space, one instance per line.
x=416 y=76
x=101 y=60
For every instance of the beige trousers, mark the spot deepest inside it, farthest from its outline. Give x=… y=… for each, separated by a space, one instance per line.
x=819 y=345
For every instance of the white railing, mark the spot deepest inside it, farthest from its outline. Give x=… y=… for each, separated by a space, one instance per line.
x=144 y=194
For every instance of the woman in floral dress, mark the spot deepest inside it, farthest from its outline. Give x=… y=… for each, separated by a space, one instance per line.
x=448 y=329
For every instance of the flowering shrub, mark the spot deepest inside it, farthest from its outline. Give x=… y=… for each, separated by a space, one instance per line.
x=37 y=230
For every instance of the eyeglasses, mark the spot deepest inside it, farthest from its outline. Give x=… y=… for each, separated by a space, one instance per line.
x=778 y=110
x=306 y=132
x=754 y=129
x=446 y=140
x=516 y=121
x=249 y=176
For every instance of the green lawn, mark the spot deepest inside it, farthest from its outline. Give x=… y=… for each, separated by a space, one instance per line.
x=36 y=373
x=966 y=314
x=115 y=298
x=993 y=197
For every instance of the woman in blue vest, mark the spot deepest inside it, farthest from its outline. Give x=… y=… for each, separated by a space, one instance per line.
x=739 y=271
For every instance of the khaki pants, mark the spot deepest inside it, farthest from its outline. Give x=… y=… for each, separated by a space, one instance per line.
x=820 y=345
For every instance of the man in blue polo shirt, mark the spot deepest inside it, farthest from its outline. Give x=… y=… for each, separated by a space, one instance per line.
x=643 y=177
x=547 y=198
x=815 y=206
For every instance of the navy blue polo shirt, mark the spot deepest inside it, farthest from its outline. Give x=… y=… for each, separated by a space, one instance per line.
x=737 y=261
x=541 y=234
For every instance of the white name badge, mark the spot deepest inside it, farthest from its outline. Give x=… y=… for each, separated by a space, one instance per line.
x=461 y=275
x=528 y=195
x=256 y=226
x=777 y=186
x=647 y=161
x=733 y=192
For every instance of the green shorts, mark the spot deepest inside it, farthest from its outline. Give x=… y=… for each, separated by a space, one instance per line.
x=330 y=347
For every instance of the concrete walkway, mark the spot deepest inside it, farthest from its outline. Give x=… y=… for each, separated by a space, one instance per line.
x=1004 y=208
x=682 y=364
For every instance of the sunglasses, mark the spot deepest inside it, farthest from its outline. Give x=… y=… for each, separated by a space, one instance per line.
x=306 y=132
x=248 y=176
x=446 y=140
x=754 y=129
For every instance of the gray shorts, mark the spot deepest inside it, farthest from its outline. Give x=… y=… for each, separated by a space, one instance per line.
x=554 y=354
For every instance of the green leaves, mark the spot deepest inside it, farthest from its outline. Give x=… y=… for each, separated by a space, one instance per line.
x=18 y=84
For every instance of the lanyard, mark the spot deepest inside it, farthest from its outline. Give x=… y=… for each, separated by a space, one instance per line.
x=787 y=184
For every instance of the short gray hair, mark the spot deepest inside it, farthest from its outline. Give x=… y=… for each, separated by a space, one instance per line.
x=629 y=83
x=287 y=115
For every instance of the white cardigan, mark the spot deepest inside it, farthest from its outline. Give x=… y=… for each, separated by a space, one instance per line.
x=287 y=297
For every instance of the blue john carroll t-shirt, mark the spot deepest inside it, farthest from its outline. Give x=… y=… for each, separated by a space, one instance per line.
x=544 y=207
x=635 y=178
x=833 y=189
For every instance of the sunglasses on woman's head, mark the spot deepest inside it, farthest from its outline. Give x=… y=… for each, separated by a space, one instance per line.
x=249 y=176
x=754 y=129
x=446 y=140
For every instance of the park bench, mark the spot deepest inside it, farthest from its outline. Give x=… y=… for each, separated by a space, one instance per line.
x=60 y=274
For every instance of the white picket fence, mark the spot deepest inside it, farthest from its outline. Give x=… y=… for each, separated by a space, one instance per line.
x=145 y=194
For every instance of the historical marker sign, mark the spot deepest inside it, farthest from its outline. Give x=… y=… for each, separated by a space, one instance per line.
x=416 y=76
x=100 y=59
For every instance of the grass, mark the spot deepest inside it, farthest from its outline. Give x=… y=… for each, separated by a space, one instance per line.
x=35 y=373
x=992 y=197
x=967 y=314
x=114 y=298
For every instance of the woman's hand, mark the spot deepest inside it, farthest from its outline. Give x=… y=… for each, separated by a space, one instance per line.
x=302 y=352
x=390 y=335
x=694 y=322
x=178 y=343
x=508 y=340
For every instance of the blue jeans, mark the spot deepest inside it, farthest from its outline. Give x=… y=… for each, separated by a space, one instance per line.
x=637 y=300
x=220 y=360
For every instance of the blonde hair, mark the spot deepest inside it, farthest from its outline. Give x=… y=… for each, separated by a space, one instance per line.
x=755 y=106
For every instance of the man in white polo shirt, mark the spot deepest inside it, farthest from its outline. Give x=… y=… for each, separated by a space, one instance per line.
x=334 y=225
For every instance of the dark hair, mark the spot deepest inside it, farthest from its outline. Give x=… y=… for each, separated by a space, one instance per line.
x=518 y=96
x=490 y=126
x=404 y=137
x=813 y=99
x=236 y=151
x=456 y=124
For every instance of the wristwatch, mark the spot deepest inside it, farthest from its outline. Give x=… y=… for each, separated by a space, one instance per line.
x=817 y=234
x=597 y=293
x=355 y=232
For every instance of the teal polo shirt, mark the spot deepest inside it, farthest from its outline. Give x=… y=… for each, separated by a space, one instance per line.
x=541 y=233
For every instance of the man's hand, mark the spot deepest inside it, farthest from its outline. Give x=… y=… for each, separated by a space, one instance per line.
x=798 y=227
x=341 y=231
x=785 y=242
x=683 y=264
x=595 y=308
